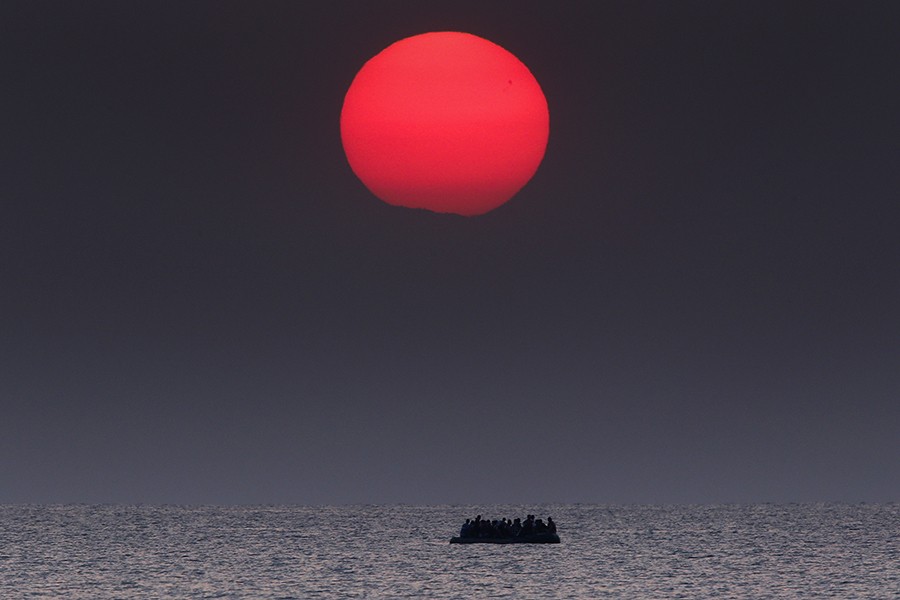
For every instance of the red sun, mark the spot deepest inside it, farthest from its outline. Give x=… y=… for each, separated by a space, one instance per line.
x=445 y=121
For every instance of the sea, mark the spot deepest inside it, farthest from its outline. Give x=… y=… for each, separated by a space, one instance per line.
x=398 y=551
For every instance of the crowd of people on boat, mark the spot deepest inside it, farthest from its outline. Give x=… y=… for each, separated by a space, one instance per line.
x=506 y=528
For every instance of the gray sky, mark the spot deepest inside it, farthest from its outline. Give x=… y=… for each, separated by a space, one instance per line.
x=696 y=299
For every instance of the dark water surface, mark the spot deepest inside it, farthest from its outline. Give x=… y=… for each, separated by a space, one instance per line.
x=733 y=551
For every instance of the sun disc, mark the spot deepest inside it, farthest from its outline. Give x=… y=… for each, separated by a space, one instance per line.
x=445 y=121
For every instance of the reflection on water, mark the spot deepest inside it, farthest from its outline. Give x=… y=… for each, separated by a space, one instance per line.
x=836 y=551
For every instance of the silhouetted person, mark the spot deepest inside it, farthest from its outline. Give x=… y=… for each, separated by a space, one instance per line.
x=466 y=529
x=495 y=529
x=551 y=525
x=528 y=525
x=516 y=528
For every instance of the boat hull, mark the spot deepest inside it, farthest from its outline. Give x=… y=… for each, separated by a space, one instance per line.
x=538 y=538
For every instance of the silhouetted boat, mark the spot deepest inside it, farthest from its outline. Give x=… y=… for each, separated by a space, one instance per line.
x=534 y=538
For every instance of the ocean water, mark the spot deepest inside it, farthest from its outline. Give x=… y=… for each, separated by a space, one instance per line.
x=730 y=551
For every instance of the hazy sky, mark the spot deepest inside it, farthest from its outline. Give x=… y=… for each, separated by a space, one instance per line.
x=696 y=299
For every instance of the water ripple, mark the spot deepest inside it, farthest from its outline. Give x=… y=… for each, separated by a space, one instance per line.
x=97 y=552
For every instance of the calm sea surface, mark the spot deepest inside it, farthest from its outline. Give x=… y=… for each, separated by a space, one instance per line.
x=754 y=551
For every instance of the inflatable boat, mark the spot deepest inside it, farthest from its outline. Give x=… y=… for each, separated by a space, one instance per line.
x=534 y=538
